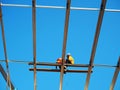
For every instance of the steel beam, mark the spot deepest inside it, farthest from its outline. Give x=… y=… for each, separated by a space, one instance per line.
x=34 y=39
x=4 y=46
x=57 y=70
x=64 y=41
x=55 y=64
x=45 y=64
x=115 y=75
x=101 y=13
x=58 y=7
x=5 y=77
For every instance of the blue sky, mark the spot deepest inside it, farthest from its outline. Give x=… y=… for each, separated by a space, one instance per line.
x=50 y=28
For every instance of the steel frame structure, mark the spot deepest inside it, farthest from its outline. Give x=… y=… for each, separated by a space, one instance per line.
x=4 y=74
x=35 y=63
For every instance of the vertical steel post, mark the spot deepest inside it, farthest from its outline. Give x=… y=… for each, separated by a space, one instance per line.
x=5 y=49
x=34 y=39
x=115 y=75
x=101 y=14
x=64 y=41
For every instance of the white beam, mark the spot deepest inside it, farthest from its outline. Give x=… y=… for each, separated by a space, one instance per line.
x=58 y=7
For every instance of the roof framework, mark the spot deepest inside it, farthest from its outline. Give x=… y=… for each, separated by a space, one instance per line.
x=102 y=9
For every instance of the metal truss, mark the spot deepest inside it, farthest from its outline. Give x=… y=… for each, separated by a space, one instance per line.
x=89 y=66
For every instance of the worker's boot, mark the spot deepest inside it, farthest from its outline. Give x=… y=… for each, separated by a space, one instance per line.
x=65 y=69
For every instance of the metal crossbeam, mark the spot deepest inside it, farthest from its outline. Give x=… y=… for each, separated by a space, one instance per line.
x=101 y=13
x=58 y=7
x=55 y=64
x=34 y=63
x=64 y=41
x=115 y=75
x=45 y=64
x=34 y=39
x=4 y=74
x=57 y=70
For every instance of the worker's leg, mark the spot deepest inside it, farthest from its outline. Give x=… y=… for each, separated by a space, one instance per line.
x=68 y=61
x=65 y=69
x=56 y=67
x=60 y=67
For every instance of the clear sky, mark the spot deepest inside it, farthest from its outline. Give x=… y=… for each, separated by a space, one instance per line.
x=50 y=28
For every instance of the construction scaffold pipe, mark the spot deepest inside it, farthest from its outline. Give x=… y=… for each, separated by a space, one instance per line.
x=59 y=7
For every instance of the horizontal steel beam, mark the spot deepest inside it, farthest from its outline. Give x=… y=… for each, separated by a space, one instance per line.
x=58 y=70
x=59 y=7
x=45 y=64
x=55 y=64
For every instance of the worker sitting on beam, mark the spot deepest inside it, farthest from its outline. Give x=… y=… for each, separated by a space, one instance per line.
x=70 y=59
x=59 y=61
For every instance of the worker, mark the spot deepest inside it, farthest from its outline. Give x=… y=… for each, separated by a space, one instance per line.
x=70 y=59
x=59 y=61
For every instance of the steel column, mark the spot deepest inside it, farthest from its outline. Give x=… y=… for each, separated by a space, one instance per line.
x=64 y=41
x=101 y=13
x=34 y=39
x=115 y=75
x=5 y=49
